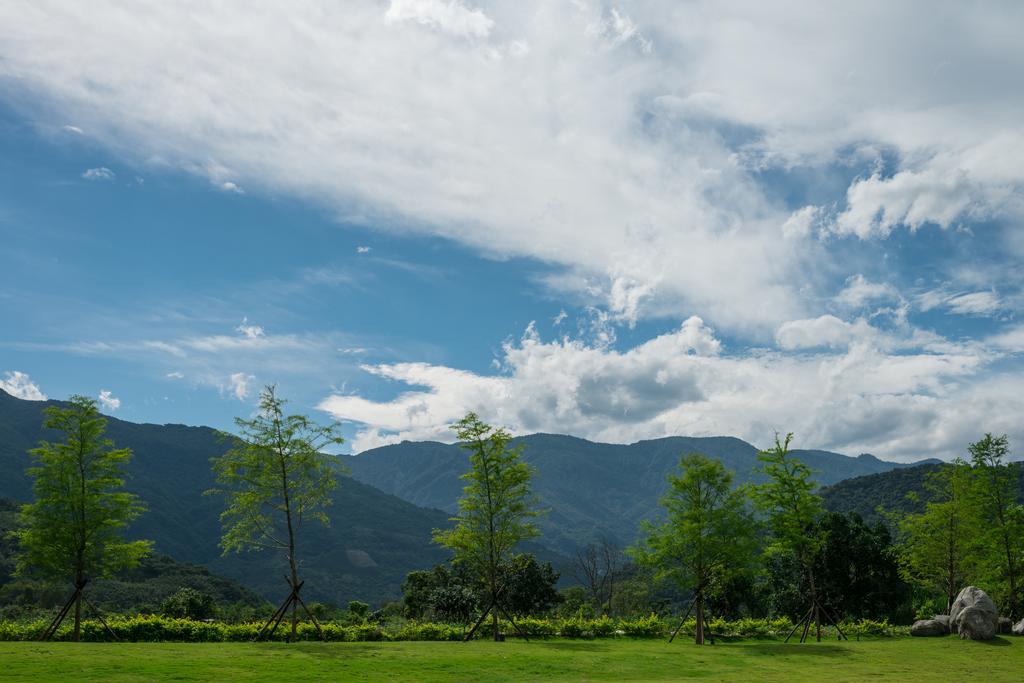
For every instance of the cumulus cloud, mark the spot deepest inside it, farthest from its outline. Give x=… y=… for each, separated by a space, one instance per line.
x=825 y=330
x=859 y=398
x=108 y=401
x=100 y=173
x=362 y=250
x=20 y=385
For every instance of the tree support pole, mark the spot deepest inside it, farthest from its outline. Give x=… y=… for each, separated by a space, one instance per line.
x=100 y=617
x=483 y=615
x=798 y=625
x=697 y=594
x=51 y=629
x=514 y=624
x=275 y=619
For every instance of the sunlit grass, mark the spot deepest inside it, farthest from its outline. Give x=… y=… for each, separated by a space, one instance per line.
x=898 y=659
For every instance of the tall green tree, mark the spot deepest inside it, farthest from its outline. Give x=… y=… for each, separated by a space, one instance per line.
x=939 y=546
x=792 y=509
x=495 y=510
x=275 y=477
x=995 y=491
x=709 y=534
x=75 y=528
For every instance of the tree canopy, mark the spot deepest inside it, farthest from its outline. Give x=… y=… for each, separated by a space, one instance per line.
x=74 y=531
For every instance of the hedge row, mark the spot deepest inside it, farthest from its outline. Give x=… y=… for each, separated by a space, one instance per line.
x=157 y=629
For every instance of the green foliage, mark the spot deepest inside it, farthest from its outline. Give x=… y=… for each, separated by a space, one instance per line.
x=857 y=569
x=166 y=629
x=528 y=586
x=939 y=545
x=274 y=477
x=358 y=609
x=453 y=593
x=496 y=505
x=75 y=528
x=709 y=533
x=188 y=603
x=1002 y=536
x=651 y=626
x=789 y=502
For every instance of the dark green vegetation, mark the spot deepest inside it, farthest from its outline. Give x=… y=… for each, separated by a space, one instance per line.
x=590 y=489
x=141 y=589
x=708 y=539
x=891 y=491
x=904 y=659
x=374 y=540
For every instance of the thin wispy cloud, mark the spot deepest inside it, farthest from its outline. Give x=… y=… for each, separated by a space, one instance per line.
x=99 y=173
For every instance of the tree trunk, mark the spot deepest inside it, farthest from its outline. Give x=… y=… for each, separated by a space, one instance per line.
x=494 y=619
x=295 y=585
x=78 y=618
x=699 y=631
x=814 y=599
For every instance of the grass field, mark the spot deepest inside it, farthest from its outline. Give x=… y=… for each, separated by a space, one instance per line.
x=899 y=659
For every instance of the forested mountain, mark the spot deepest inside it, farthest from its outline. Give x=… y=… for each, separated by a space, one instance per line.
x=889 y=490
x=373 y=541
x=146 y=586
x=590 y=489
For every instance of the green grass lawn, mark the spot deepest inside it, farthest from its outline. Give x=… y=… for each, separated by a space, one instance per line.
x=899 y=659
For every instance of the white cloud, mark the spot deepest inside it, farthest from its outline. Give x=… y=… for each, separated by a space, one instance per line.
x=101 y=173
x=825 y=330
x=237 y=385
x=975 y=303
x=362 y=250
x=108 y=401
x=908 y=404
x=800 y=222
x=451 y=16
x=624 y=141
x=229 y=186
x=175 y=375
x=970 y=303
x=859 y=292
x=72 y=129
x=20 y=385
x=1010 y=340
x=250 y=331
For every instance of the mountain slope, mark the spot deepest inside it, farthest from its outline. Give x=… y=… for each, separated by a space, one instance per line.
x=373 y=541
x=147 y=585
x=590 y=489
x=888 y=490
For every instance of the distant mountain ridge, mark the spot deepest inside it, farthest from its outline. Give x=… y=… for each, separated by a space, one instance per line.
x=590 y=489
x=888 y=491
x=374 y=539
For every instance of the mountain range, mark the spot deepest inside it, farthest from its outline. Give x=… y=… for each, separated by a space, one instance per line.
x=373 y=541
x=383 y=516
x=589 y=489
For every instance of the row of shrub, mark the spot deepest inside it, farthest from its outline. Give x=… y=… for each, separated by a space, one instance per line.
x=156 y=629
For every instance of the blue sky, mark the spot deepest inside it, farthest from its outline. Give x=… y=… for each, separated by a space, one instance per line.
x=616 y=220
